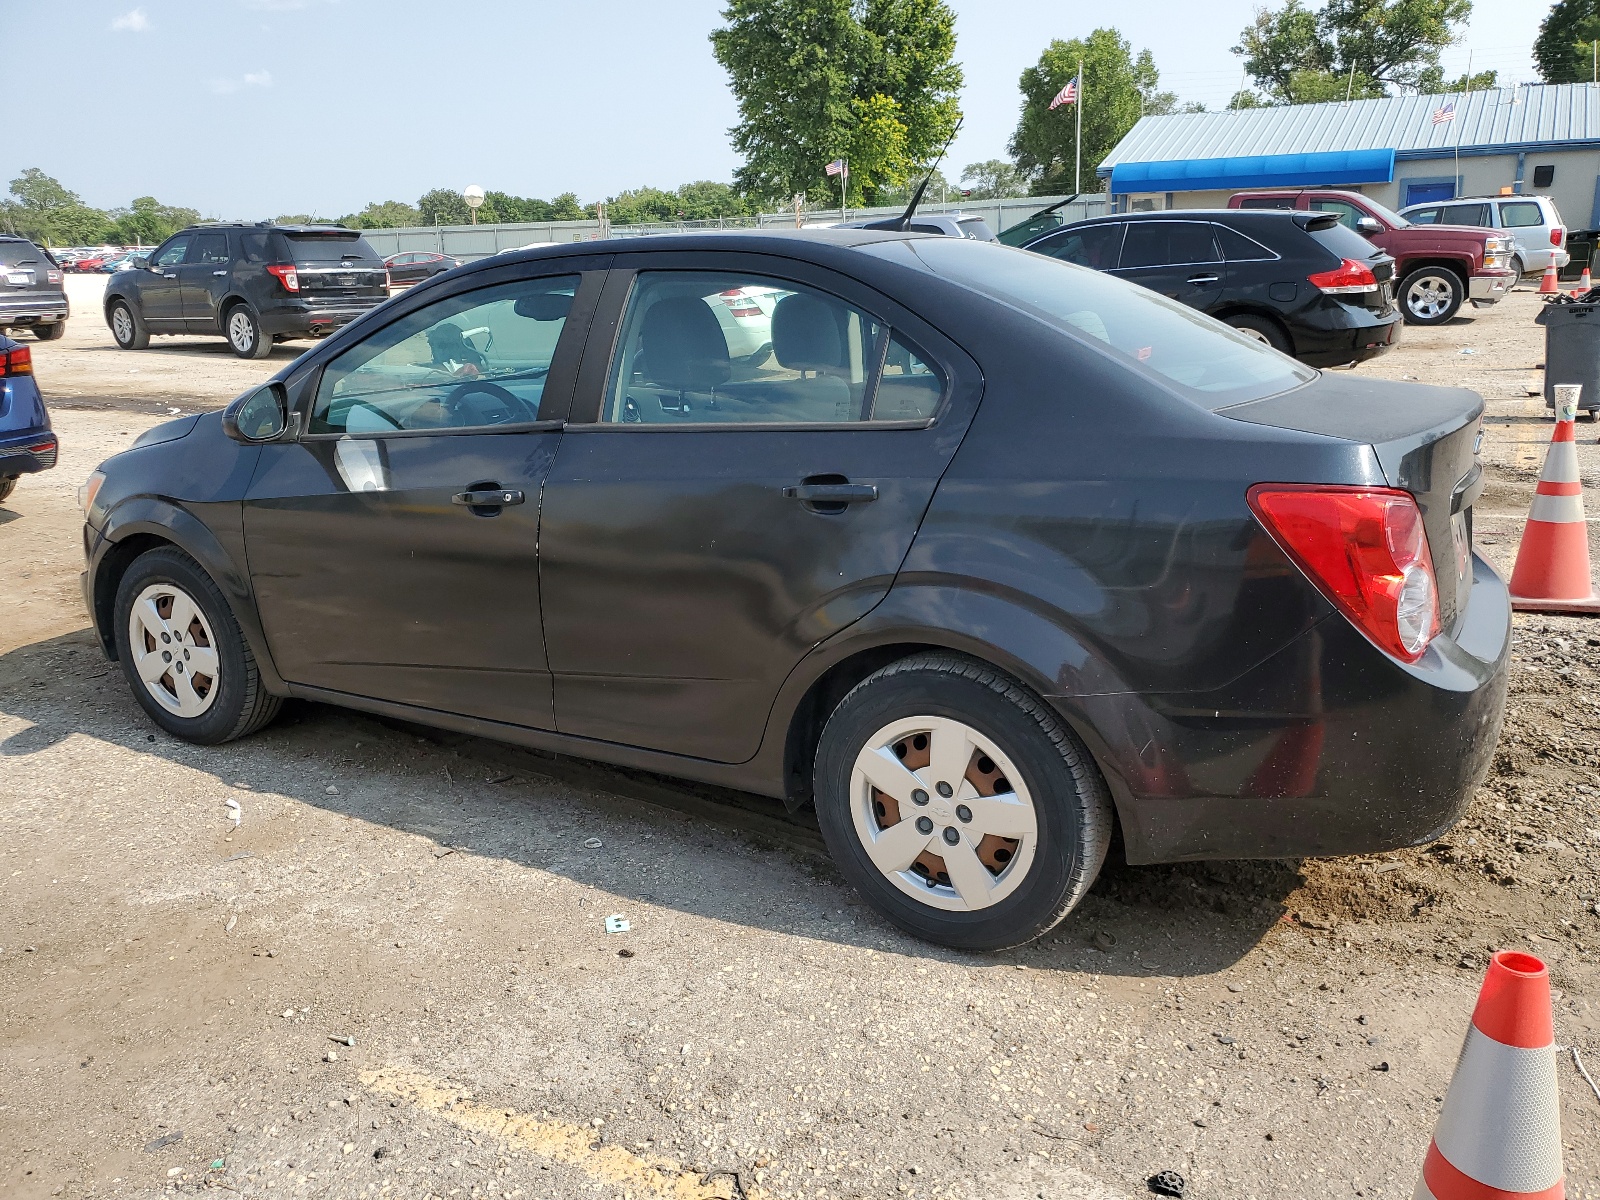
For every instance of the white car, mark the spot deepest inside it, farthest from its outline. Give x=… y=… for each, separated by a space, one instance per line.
x=745 y=314
x=1532 y=221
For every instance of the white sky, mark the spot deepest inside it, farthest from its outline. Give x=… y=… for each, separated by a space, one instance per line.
x=249 y=108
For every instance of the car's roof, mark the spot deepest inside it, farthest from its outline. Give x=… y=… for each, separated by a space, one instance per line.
x=204 y=225
x=772 y=241
x=1208 y=214
x=1472 y=200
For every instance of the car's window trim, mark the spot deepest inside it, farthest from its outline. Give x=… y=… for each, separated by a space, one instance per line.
x=616 y=309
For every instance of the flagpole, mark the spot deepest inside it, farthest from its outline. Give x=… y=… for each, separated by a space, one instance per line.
x=1459 y=121
x=1077 y=158
x=844 y=186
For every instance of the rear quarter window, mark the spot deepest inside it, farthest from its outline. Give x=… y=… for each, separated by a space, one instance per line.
x=1521 y=215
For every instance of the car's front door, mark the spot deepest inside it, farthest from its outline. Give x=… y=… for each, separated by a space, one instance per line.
x=161 y=287
x=393 y=547
x=204 y=275
x=718 y=514
x=1179 y=259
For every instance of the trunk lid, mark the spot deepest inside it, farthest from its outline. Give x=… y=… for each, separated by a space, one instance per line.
x=336 y=265
x=1426 y=440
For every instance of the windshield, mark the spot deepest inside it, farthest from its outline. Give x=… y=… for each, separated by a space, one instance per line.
x=1204 y=359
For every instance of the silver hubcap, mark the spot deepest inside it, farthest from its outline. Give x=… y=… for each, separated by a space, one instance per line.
x=239 y=330
x=173 y=650
x=1255 y=335
x=943 y=813
x=122 y=324
x=1430 y=296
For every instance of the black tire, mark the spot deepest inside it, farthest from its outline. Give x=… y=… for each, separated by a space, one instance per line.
x=1264 y=329
x=1519 y=267
x=243 y=331
x=8 y=484
x=1431 y=296
x=1070 y=802
x=241 y=704
x=52 y=332
x=127 y=326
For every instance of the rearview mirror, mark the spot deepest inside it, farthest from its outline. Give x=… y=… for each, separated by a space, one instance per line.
x=262 y=416
x=544 y=306
x=1368 y=225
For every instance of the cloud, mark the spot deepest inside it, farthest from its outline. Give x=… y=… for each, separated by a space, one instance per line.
x=253 y=79
x=284 y=5
x=132 y=22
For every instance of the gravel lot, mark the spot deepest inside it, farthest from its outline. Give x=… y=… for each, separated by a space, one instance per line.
x=392 y=978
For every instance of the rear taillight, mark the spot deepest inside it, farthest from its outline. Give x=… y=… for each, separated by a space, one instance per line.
x=739 y=304
x=1556 y=234
x=16 y=362
x=287 y=276
x=1366 y=550
x=1349 y=276
x=52 y=276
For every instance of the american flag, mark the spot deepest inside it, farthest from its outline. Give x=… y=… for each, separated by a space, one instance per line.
x=836 y=167
x=1067 y=95
x=1445 y=112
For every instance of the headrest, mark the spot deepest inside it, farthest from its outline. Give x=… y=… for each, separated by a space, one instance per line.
x=683 y=345
x=805 y=334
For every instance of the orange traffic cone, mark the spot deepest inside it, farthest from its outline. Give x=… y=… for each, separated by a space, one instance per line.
x=1548 y=285
x=1584 y=282
x=1499 y=1134
x=1552 y=571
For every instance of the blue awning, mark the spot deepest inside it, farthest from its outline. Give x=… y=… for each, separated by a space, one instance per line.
x=1255 y=171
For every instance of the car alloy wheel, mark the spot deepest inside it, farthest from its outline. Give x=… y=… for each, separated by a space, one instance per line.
x=1254 y=335
x=174 y=650
x=241 y=332
x=122 y=325
x=1431 y=296
x=943 y=813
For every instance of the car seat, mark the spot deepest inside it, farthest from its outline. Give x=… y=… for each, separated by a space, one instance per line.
x=682 y=351
x=807 y=337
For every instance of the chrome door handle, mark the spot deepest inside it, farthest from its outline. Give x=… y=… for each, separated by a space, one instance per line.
x=218 y=274
x=173 y=276
x=497 y=498
x=1203 y=278
x=833 y=493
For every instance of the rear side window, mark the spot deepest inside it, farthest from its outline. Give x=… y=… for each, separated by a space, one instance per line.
x=322 y=249
x=255 y=246
x=1465 y=214
x=1168 y=243
x=1345 y=242
x=976 y=228
x=1521 y=215
x=1236 y=247
x=210 y=248
x=1094 y=246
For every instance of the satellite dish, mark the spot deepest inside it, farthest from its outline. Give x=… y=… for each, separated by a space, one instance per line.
x=473 y=195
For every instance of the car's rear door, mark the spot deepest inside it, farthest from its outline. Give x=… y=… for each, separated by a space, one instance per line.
x=709 y=520
x=1177 y=258
x=393 y=547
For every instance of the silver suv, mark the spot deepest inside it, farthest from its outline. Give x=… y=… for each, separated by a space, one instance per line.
x=31 y=292
x=1532 y=221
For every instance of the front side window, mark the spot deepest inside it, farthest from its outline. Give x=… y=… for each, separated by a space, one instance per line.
x=735 y=349
x=172 y=253
x=1095 y=246
x=1521 y=214
x=470 y=361
x=211 y=248
x=1424 y=216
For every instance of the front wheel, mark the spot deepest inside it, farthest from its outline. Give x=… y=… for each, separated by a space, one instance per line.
x=127 y=328
x=1431 y=295
x=244 y=334
x=959 y=804
x=182 y=652
x=51 y=332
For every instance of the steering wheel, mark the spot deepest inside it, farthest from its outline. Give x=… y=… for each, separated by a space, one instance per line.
x=517 y=409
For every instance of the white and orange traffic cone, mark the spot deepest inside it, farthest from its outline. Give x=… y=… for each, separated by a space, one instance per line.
x=1584 y=282
x=1547 y=283
x=1552 y=571
x=1499 y=1134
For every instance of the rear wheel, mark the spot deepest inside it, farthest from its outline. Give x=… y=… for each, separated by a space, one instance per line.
x=1518 y=266
x=8 y=484
x=1430 y=295
x=127 y=327
x=183 y=654
x=1262 y=329
x=50 y=333
x=959 y=804
x=244 y=333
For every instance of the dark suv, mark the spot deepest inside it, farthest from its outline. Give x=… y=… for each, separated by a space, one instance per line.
x=1299 y=281
x=253 y=284
x=31 y=295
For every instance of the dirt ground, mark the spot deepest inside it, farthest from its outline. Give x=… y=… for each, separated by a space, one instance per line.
x=392 y=977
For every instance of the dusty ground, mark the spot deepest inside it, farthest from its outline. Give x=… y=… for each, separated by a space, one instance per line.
x=179 y=998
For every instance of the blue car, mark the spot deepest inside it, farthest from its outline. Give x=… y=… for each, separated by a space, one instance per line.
x=26 y=443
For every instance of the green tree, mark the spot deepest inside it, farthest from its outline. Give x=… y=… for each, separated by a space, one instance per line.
x=46 y=211
x=873 y=81
x=1361 y=47
x=386 y=214
x=1565 y=48
x=147 y=221
x=704 y=200
x=443 y=207
x=1115 y=87
x=993 y=179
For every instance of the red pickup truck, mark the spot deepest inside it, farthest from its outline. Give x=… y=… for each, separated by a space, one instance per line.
x=1438 y=266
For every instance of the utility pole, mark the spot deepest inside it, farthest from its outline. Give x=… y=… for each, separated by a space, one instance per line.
x=1351 y=86
x=1077 y=158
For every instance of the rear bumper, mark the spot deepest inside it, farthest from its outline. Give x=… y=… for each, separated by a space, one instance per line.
x=1345 y=333
x=1330 y=747
x=26 y=453
x=33 y=308
x=1490 y=289
x=304 y=316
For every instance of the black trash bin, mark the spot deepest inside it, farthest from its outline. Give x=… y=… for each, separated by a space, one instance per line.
x=1580 y=245
x=1572 y=348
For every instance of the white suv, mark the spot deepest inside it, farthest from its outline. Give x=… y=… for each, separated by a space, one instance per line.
x=1531 y=220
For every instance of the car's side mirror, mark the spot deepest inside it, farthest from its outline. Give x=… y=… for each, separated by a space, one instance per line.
x=1368 y=225
x=139 y=262
x=261 y=416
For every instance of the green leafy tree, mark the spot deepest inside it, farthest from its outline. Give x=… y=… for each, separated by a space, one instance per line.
x=938 y=186
x=1565 y=48
x=993 y=179
x=387 y=214
x=42 y=209
x=1362 y=48
x=443 y=207
x=704 y=200
x=1116 y=85
x=147 y=221
x=873 y=81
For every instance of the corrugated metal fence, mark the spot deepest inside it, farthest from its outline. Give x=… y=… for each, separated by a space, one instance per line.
x=467 y=242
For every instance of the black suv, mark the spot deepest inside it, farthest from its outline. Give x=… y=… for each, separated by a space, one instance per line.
x=31 y=295
x=253 y=284
x=1299 y=281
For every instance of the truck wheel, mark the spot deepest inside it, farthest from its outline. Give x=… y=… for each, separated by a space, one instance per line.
x=1430 y=296
x=244 y=333
x=1261 y=329
x=127 y=327
x=50 y=333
